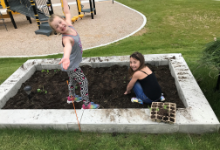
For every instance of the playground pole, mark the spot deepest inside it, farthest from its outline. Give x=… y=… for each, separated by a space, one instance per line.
x=94 y=6
x=10 y=14
x=50 y=7
x=35 y=13
x=78 y=5
x=12 y=19
x=90 y=2
x=28 y=18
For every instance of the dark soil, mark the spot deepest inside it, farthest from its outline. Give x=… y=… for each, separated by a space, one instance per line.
x=165 y=118
x=152 y=117
x=163 y=112
x=153 y=113
x=171 y=115
x=106 y=87
x=159 y=117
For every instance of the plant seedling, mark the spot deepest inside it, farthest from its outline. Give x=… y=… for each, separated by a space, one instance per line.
x=157 y=109
x=124 y=81
x=42 y=71
x=149 y=108
x=165 y=106
x=48 y=71
x=76 y=87
x=55 y=72
x=38 y=90
x=41 y=91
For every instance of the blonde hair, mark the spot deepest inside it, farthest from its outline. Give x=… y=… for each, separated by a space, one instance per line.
x=50 y=20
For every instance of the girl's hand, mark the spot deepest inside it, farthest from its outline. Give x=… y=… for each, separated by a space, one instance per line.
x=127 y=92
x=65 y=62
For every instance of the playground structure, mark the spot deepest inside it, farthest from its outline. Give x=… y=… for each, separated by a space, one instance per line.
x=90 y=10
x=3 y=6
x=40 y=10
x=1 y=18
x=37 y=9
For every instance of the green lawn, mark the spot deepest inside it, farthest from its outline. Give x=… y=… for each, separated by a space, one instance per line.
x=173 y=26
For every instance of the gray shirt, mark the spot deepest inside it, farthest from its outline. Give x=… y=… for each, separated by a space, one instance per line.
x=76 y=53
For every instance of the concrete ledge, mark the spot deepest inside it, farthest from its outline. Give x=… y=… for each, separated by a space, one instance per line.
x=123 y=120
x=203 y=128
x=40 y=119
x=197 y=117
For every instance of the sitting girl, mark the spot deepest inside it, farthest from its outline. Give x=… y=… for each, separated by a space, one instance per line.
x=143 y=81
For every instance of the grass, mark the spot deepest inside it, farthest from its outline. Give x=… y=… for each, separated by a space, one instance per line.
x=57 y=140
x=173 y=26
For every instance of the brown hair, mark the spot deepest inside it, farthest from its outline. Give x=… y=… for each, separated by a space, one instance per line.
x=139 y=57
x=52 y=18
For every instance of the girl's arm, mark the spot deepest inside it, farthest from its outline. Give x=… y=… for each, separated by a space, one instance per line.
x=130 y=85
x=67 y=51
x=66 y=11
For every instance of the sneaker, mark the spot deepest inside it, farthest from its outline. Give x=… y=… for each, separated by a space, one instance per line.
x=91 y=105
x=162 y=98
x=75 y=99
x=136 y=100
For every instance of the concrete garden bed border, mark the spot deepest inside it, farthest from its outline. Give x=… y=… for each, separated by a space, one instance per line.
x=197 y=117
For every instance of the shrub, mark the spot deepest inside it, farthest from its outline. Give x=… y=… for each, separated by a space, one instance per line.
x=211 y=55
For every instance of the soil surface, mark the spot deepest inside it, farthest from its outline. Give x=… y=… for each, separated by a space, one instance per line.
x=106 y=87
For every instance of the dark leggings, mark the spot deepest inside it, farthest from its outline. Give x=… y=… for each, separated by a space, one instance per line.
x=75 y=76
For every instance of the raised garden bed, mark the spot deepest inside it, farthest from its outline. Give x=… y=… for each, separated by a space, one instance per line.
x=106 y=87
x=190 y=119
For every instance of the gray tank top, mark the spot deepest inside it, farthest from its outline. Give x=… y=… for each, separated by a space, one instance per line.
x=76 y=53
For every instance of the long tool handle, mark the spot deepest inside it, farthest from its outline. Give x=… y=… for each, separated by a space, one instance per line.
x=76 y=115
x=74 y=109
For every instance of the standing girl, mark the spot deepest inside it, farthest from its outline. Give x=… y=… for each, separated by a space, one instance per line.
x=72 y=57
x=143 y=81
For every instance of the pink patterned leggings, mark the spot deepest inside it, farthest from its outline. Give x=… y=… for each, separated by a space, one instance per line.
x=75 y=76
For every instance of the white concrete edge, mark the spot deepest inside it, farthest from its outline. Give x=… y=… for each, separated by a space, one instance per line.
x=143 y=24
x=198 y=106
